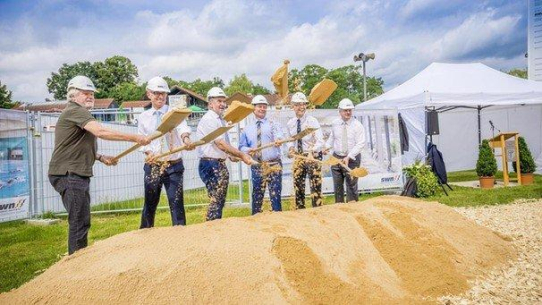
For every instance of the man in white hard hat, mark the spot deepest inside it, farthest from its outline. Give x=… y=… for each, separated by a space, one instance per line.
x=312 y=146
x=74 y=155
x=346 y=140
x=158 y=174
x=268 y=171
x=212 y=166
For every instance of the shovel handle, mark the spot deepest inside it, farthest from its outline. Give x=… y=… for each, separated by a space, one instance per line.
x=273 y=144
x=178 y=149
x=153 y=137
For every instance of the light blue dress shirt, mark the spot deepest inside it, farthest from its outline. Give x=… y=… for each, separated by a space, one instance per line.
x=270 y=133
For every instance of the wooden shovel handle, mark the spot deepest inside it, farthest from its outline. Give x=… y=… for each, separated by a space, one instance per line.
x=273 y=144
x=153 y=137
x=178 y=149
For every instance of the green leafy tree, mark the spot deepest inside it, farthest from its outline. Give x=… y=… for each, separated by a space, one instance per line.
x=5 y=98
x=348 y=78
x=112 y=72
x=58 y=82
x=526 y=160
x=105 y=75
x=127 y=92
x=201 y=87
x=521 y=73
x=305 y=79
x=259 y=89
x=350 y=85
x=486 y=166
x=239 y=83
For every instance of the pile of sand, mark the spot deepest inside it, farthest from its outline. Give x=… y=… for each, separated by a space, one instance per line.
x=387 y=249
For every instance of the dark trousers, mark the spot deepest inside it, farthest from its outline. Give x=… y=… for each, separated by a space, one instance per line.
x=340 y=176
x=302 y=169
x=172 y=179
x=214 y=173
x=74 y=191
x=262 y=180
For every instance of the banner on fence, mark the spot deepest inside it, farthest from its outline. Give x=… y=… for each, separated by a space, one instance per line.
x=14 y=169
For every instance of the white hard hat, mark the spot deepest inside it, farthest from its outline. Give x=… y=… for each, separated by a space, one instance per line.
x=158 y=84
x=215 y=92
x=259 y=99
x=82 y=83
x=299 y=98
x=346 y=104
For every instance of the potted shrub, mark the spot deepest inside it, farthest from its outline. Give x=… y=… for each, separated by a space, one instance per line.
x=486 y=166
x=526 y=162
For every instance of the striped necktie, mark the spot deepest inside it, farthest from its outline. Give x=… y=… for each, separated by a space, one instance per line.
x=259 y=140
x=299 y=142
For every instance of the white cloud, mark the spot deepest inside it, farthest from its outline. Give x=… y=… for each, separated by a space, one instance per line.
x=230 y=37
x=476 y=34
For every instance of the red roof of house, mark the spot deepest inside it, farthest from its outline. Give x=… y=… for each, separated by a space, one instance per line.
x=58 y=106
x=135 y=104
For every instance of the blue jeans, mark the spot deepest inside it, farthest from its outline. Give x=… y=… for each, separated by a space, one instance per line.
x=260 y=181
x=215 y=175
x=172 y=179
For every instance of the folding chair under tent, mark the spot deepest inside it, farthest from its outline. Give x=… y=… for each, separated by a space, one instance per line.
x=466 y=97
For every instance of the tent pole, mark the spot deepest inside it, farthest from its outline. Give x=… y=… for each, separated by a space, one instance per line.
x=479 y=125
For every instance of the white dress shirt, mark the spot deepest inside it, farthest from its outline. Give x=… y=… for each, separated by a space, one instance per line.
x=355 y=137
x=146 y=126
x=209 y=123
x=314 y=141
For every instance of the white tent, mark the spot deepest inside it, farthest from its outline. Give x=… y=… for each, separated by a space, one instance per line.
x=467 y=97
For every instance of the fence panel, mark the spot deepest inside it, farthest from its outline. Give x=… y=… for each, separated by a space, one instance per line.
x=120 y=188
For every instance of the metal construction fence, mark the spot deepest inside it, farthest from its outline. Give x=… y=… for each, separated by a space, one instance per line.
x=27 y=143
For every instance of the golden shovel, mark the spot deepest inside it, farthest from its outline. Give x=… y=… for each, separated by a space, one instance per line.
x=171 y=120
x=237 y=111
x=357 y=172
x=322 y=91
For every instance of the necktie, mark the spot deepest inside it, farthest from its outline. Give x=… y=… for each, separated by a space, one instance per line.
x=158 y=115
x=344 y=140
x=259 y=140
x=299 y=142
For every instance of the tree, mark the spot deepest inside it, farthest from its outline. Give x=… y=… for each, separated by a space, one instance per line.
x=526 y=160
x=58 y=82
x=348 y=78
x=259 y=89
x=105 y=75
x=127 y=92
x=521 y=73
x=201 y=87
x=5 y=98
x=113 y=71
x=305 y=79
x=350 y=85
x=486 y=166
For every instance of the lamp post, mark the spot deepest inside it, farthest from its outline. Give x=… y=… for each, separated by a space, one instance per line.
x=364 y=58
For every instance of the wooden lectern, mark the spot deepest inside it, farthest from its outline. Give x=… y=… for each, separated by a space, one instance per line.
x=499 y=141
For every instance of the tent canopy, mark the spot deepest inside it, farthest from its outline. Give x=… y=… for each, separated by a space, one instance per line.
x=473 y=84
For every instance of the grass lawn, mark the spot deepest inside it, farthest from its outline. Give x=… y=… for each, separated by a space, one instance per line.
x=27 y=250
x=466 y=196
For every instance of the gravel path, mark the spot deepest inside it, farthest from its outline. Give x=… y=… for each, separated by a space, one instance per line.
x=520 y=281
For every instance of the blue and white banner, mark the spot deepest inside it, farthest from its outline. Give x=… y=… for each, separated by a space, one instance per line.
x=14 y=169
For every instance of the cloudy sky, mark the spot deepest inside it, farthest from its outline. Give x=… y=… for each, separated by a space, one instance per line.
x=201 y=39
